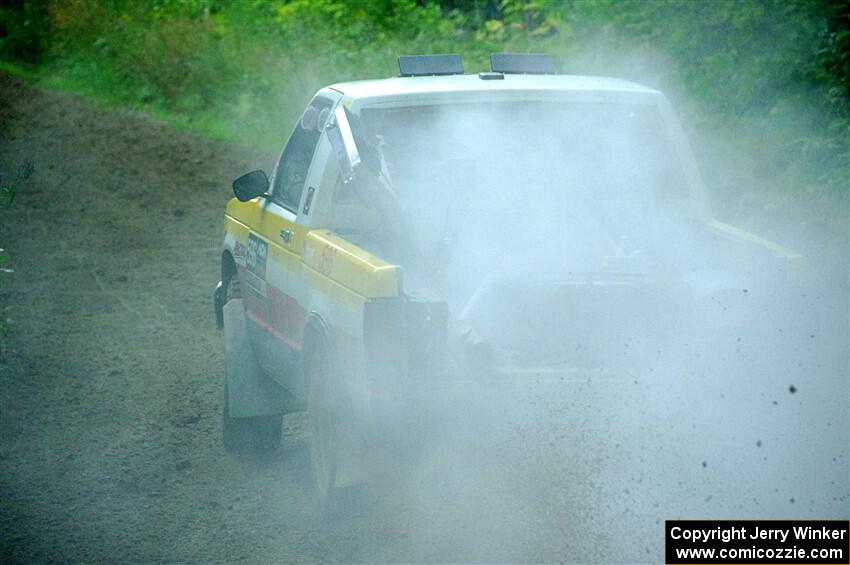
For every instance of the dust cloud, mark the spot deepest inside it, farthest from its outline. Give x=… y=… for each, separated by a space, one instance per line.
x=623 y=359
x=623 y=364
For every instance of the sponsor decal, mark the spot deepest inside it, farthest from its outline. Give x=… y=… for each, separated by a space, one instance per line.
x=256 y=258
x=326 y=261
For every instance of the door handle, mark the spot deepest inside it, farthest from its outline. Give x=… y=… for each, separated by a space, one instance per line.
x=286 y=235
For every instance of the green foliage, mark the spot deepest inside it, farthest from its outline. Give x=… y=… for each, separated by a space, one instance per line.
x=24 y=30
x=243 y=70
x=770 y=77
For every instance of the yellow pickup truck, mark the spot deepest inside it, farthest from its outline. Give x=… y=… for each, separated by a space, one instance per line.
x=440 y=227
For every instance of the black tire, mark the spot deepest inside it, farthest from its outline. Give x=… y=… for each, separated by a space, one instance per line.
x=322 y=412
x=247 y=434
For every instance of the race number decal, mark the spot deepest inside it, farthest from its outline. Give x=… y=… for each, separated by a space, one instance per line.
x=255 y=264
x=326 y=262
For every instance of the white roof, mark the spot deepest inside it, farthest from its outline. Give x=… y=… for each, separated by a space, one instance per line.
x=458 y=84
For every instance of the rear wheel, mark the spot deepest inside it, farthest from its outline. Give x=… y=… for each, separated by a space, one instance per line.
x=322 y=412
x=252 y=433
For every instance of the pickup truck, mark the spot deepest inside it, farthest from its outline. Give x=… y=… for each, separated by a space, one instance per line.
x=440 y=227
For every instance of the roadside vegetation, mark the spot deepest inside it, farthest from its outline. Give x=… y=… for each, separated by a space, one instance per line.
x=764 y=83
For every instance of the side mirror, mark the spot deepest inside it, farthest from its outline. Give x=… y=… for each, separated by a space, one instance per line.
x=251 y=185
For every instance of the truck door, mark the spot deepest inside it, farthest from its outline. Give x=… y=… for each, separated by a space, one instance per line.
x=273 y=260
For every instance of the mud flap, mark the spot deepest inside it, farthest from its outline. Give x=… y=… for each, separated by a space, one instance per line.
x=250 y=391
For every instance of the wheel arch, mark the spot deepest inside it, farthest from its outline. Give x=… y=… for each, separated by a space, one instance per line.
x=228 y=265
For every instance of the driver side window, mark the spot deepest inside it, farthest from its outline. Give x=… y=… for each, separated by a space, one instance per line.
x=296 y=157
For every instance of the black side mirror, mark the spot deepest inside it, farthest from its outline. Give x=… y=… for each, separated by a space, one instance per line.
x=251 y=185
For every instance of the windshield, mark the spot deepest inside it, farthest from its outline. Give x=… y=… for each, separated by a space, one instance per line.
x=614 y=149
x=524 y=182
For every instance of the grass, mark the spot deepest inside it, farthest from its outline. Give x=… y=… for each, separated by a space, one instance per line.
x=764 y=78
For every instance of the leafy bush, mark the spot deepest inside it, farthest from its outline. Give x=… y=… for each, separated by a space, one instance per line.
x=24 y=30
x=775 y=72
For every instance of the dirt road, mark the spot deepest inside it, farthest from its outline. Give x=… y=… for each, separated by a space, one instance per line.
x=110 y=390
x=111 y=365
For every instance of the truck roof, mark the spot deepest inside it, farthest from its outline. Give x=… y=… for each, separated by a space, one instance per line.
x=381 y=88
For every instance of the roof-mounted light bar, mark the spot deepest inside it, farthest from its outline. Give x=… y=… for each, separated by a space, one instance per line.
x=430 y=65
x=523 y=63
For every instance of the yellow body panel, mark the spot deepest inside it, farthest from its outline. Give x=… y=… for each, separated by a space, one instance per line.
x=236 y=227
x=339 y=260
x=334 y=264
